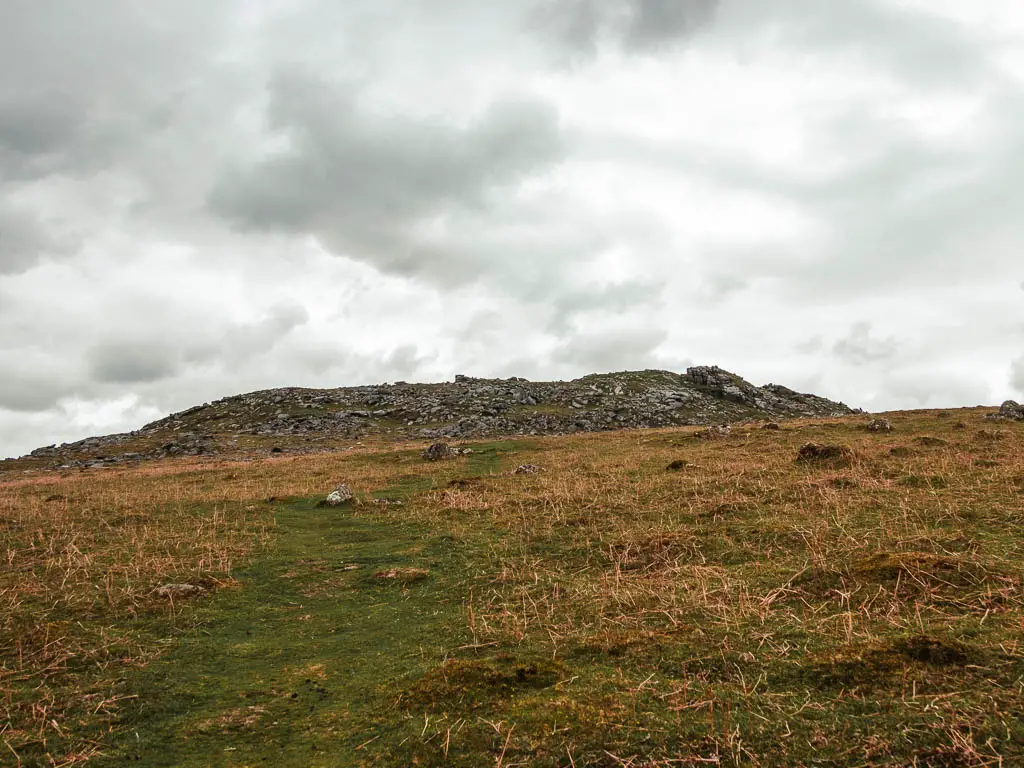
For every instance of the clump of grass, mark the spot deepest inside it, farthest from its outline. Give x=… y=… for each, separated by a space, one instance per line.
x=834 y=455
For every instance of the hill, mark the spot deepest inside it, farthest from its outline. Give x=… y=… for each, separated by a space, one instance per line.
x=306 y=420
x=817 y=594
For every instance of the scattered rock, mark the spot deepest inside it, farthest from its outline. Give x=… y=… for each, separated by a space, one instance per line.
x=714 y=432
x=338 y=496
x=879 y=425
x=384 y=501
x=440 y=451
x=527 y=469
x=446 y=412
x=178 y=591
x=813 y=452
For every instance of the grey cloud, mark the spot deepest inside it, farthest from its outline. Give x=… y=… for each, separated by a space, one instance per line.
x=1017 y=375
x=620 y=349
x=25 y=238
x=653 y=23
x=29 y=391
x=925 y=48
x=131 y=362
x=33 y=127
x=244 y=342
x=927 y=387
x=607 y=299
x=583 y=26
x=368 y=184
x=809 y=346
x=859 y=347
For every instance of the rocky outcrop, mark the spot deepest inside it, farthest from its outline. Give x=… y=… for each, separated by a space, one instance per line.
x=467 y=408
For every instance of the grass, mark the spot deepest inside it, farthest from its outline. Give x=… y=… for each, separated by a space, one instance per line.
x=741 y=608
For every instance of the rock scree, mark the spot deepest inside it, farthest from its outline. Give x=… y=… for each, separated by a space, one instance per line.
x=312 y=420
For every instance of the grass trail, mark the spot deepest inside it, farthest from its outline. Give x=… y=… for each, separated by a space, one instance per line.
x=294 y=667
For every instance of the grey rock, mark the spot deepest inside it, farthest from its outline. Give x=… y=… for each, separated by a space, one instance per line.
x=470 y=408
x=879 y=425
x=527 y=469
x=1011 y=410
x=339 y=496
x=440 y=451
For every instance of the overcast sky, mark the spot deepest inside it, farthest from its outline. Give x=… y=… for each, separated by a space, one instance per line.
x=204 y=198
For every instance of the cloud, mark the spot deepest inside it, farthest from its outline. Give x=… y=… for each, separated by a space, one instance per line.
x=1017 y=375
x=859 y=348
x=131 y=362
x=29 y=392
x=614 y=349
x=382 y=188
x=583 y=26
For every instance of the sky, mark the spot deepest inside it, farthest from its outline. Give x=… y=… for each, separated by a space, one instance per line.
x=200 y=199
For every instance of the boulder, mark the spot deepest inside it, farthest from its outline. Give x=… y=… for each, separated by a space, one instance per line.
x=439 y=451
x=1011 y=410
x=339 y=496
x=879 y=425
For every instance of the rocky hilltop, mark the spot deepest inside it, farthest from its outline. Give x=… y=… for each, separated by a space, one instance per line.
x=295 y=419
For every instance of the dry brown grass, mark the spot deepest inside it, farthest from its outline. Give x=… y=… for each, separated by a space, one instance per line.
x=769 y=561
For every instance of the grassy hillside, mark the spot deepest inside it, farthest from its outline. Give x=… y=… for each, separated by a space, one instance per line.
x=740 y=608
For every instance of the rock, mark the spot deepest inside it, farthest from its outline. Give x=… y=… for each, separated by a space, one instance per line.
x=714 y=432
x=879 y=425
x=387 y=502
x=440 y=451
x=527 y=469
x=178 y=591
x=470 y=408
x=1011 y=410
x=338 y=496
x=813 y=452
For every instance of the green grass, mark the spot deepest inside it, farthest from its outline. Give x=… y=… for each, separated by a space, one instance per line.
x=298 y=666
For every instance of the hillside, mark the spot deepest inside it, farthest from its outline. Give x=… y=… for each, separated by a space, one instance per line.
x=306 y=420
x=665 y=597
